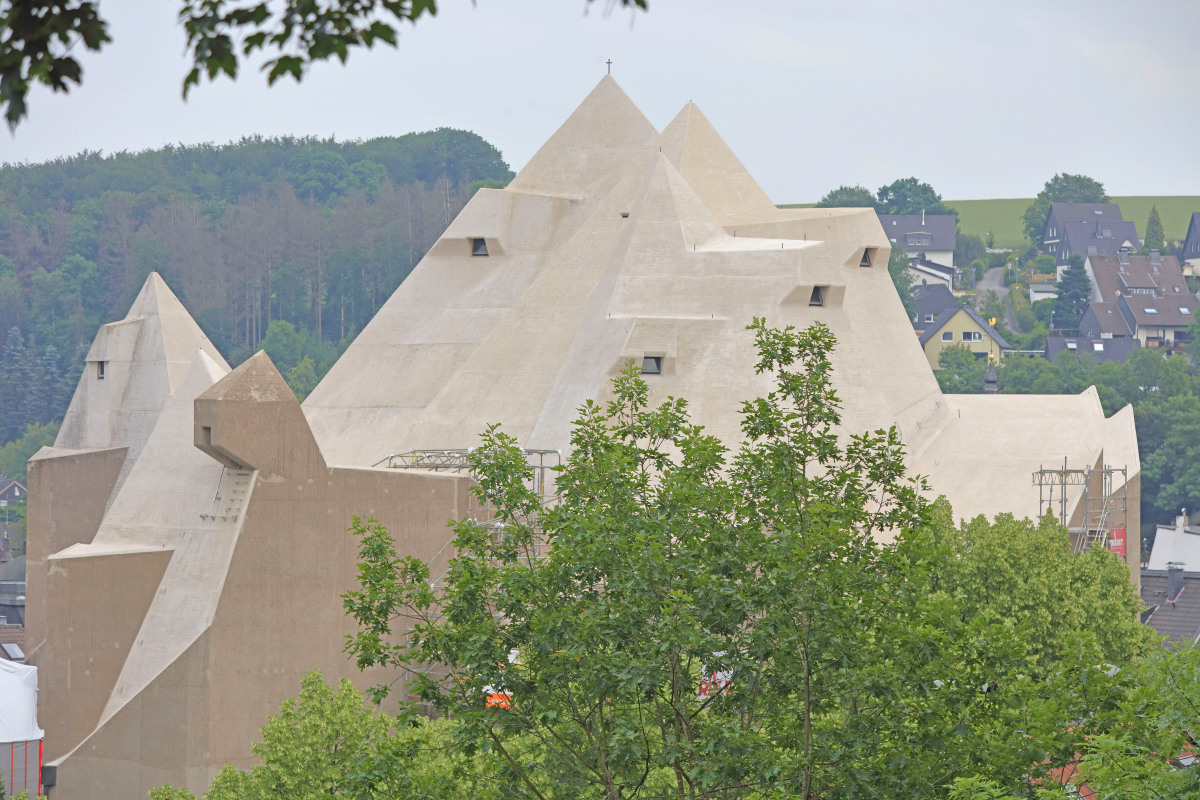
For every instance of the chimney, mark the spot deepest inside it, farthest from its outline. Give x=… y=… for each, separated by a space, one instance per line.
x=1174 y=580
x=922 y=218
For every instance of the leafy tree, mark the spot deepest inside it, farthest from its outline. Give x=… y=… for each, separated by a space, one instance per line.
x=1154 y=232
x=1157 y=722
x=910 y=196
x=15 y=455
x=36 y=38
x=1062 y=188
x=1074 y=293
x=839 y=668
x=302 y=378
x=327 y=743
x=968 y=248
x=1017 y=573
x=959 y=372
x=284 y=345
x=902 y=279
x=848 y=197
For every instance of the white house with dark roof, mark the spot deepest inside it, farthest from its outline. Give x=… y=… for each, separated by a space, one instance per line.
x=927 y=273
x=931 y=234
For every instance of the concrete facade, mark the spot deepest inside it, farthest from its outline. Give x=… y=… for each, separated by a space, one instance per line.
x=187 y=534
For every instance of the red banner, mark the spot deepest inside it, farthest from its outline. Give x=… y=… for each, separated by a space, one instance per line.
x=1116 y=541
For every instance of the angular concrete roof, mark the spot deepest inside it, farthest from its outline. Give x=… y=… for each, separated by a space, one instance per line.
x=664 y=245
x=145 y=356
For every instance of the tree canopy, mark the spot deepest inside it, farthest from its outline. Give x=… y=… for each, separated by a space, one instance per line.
x=848 y=197
x=1062 y=188
x=910 y=196
x=688 y=623
x=37 y=37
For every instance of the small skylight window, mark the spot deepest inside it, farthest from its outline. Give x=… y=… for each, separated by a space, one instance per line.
x=1151 y=310
x=817 y=298
x=1098 y=347
x=1183 y=310
x=1097 y=212
x=12 y=651
x=478 y=247
x=1072 y=346
x=652 y=365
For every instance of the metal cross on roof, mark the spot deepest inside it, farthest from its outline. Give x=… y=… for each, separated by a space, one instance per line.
x=609 y=63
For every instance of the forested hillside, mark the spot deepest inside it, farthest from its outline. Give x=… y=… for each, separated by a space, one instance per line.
x=288 y=244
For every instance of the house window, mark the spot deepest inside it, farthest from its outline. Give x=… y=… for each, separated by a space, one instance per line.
x=918 y=240
x=1072 y=346
x=652 y=365
x=1151 y=310
x=478 y=247
x=966 y=336
x=947 y=336
x=866 y=259
x=929 y=318
x=1183 y=310
x=817 y=298
x=1098 y=347
x=100 y=370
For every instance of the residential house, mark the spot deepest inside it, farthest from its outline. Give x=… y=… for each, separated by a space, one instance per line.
x=1091 y=348
x=1042 y=291
x=1148 y=293
x=931 y=301
x=1172 y=598
x=925 y=272
x=12 y=491
x=930 y=234
x=1101 y=237
x=1054 y=231
x=1190 y=254
x=962 y=325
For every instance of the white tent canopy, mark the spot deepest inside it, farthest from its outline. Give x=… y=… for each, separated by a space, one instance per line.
x=18 y=703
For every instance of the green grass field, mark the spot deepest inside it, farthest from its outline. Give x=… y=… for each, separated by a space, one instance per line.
x=1003 y=217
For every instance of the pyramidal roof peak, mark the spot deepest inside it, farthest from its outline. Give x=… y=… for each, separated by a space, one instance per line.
x=710 y=167
x=667 y=200
x=591 y=150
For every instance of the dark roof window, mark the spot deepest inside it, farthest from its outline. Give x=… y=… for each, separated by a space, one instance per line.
x=817 y=298
x=478 y=247
x=652 y=365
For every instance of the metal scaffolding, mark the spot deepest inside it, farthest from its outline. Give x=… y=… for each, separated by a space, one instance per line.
x=1101 y=510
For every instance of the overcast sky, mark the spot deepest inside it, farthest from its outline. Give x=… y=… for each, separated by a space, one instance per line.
x=980 y=99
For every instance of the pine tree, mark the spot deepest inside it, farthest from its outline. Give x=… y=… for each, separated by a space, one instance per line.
x=1074 y=291
x=14 y=369
x=1154 y=232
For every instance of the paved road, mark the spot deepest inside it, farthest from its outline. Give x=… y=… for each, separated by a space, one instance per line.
x=994 y=279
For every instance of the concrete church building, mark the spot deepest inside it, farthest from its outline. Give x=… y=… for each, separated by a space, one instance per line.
x=187 y=542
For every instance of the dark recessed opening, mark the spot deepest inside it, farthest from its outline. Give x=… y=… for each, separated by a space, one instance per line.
x=866 y=259
x=478 y=247
x=100 y=370
x=624 y=215
x=817 y=298
x=652 y=365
